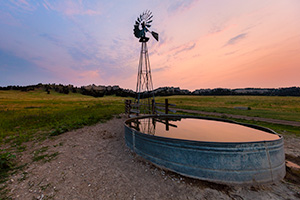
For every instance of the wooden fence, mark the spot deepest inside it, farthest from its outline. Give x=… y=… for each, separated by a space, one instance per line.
x=157 y=108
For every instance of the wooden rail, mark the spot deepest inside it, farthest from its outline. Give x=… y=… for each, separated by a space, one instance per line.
x=159 y=108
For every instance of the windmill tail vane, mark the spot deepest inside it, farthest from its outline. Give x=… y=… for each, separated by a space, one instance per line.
x=155 y=35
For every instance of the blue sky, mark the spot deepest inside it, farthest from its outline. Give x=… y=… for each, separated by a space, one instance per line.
x=202 y=43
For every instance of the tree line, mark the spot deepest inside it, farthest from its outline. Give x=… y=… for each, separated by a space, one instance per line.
x=100 y=91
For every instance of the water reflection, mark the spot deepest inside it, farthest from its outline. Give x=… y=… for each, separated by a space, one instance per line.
x=148 y=125
x=200 y=130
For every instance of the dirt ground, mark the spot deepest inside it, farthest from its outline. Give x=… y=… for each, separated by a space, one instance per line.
x=94 y=163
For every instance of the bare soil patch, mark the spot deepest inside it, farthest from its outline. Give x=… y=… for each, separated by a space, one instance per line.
x=94 y=163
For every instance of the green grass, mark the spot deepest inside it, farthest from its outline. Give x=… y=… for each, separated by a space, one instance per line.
x=27 y=115
x=278 y=128
x=41 y=154
x=36 y=115
x=284 y=108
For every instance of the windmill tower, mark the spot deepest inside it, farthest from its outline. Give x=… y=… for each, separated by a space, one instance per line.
x=144 y=88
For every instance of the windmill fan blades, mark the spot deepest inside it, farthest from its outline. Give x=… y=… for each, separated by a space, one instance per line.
x=155 y=35
x=137 y=32
x=142 y=25
x=149 y=17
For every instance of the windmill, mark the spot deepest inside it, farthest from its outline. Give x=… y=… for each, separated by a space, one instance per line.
x=144 y=88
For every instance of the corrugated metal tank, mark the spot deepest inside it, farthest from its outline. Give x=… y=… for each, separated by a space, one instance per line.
x=221 y=162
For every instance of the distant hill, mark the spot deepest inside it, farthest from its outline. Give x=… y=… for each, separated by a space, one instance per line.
x=100 y=91
x=288 y=91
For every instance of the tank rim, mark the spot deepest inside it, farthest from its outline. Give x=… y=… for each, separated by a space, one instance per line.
x=261 y=128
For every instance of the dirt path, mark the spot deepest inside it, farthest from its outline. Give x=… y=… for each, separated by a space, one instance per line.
x=94 y=163
x=274 y=121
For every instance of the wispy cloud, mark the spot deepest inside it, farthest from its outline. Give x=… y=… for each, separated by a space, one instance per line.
x=24 y=5
x=181 y=5
x=76 y=49
x=230 y=53
x=21 y=71
x=160 y=69
x=89 y=74
x=88 y=55
x=8 y=19
x=215 y=29
x=72 y=8
x=236 y=39
x=183 y=48
x=79 y=55
x=52 y=38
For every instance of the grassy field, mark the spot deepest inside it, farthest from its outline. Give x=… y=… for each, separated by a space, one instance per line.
x=274 y=107
x=284 y=108
x=24 y=114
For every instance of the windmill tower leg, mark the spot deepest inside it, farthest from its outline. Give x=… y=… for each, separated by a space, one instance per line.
x=144 y=86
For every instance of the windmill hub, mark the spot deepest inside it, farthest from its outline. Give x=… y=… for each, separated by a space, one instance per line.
x=144 y=39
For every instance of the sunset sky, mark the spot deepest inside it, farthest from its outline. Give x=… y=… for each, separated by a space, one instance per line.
x=203 y=44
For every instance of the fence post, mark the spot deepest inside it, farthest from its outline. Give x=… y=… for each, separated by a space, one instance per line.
x=127 y=106
x=153 y=106
x=167 y=106
x=126 y=103
x=167 y=125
